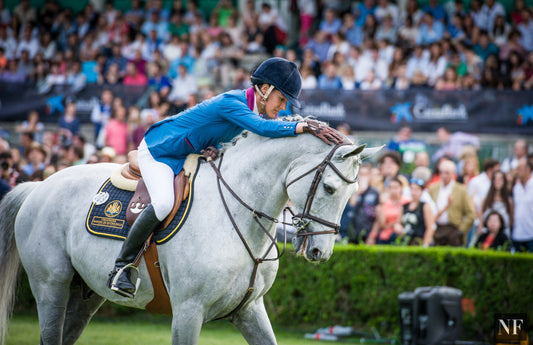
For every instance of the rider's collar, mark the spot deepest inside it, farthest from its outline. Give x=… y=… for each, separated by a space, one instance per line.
x=250 y=98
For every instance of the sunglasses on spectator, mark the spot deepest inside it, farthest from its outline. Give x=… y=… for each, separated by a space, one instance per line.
x=418 y=181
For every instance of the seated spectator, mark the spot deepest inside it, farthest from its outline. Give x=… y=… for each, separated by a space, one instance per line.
x=36 y=157
x=400 y=81
x=419 y=61
x=492 y=77
x=183 y=86
x=347 y=78
x=436 y=10
x=431 y=30
x=352 y=32
x=157 y=24
x=387 y=226
x=319 y=45
x=387 y=30
x=484 y=48
x=417 y=220
x=272 y=26
x=500 y=31
x=495 y=237
x=28 y=43
x=436 y=65
x=455 y=28
x=512 y=44
x=456 y=211
x=389 y=167
x=160 y=82
x=450 y=80
x=528 y=72
x=490 y=10
x=309 y=81
x=68 y=125
x=370 y=28
x=112 y=76
x=338 y=45
x=329 y=79
x=133 y=77
x=371 y=82
x=75 y=77
x=331 y=24
x=12 y=74
x=116 y=131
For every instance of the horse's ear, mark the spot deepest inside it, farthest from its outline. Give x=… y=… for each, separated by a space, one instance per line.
x=352 y=150
x=371 y=151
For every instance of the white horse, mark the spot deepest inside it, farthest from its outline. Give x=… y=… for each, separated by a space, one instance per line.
x=205 y=267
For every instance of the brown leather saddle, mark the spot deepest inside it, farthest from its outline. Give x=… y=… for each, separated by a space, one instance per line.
x=141 y=198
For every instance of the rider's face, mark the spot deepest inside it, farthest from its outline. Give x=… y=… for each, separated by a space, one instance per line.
x=275 y=103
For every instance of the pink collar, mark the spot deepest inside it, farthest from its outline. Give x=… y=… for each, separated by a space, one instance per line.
x=250 y=97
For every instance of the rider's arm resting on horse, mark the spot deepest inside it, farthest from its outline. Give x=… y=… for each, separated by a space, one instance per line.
x=234 y=110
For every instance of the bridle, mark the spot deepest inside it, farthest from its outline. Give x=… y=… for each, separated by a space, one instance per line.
x=299 y=221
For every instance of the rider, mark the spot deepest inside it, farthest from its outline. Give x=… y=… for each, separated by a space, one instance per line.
x=197 y=130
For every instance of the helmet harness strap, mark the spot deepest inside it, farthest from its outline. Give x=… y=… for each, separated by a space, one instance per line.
x=265 y=95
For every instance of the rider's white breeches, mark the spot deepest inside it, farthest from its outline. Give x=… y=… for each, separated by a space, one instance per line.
x=159 y=180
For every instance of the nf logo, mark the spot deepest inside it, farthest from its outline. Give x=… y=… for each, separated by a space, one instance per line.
x=510 y=328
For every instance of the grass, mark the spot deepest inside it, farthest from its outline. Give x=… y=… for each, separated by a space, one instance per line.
x=24 y=330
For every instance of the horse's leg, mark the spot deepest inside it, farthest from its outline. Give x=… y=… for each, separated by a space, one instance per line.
x=187 y=323
x=82 y=305
x=253 y=322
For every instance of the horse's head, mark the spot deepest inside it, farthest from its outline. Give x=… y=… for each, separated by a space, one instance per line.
x=319 y=192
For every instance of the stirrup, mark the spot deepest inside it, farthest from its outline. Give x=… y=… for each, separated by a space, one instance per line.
x=120 y=271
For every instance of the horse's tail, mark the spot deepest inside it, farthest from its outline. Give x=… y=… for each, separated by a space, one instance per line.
x=9 y=258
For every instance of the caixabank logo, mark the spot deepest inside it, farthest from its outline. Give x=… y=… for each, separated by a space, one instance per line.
x=525 y=115
x=511 y=329
x=401 y=111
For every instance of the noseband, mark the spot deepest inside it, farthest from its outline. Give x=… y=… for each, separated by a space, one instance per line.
x=301 y=220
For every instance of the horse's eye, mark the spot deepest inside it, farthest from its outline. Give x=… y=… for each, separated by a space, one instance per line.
x=329 y=189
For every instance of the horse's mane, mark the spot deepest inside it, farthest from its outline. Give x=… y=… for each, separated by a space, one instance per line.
x=247 y=135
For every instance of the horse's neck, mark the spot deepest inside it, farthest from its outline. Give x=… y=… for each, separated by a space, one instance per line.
x=257 y=175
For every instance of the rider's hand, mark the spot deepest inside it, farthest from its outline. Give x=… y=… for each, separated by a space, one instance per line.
x=325 y=133
x=211 y=153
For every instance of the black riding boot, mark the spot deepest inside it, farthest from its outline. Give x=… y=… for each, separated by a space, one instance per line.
x=140 y=231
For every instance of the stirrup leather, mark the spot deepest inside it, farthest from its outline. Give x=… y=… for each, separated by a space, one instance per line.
x=119 y=272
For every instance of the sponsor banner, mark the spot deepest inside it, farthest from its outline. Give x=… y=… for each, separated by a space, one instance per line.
x=17 y=100
x=484 y=111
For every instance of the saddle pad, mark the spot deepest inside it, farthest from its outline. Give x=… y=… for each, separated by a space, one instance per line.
x=107 y=215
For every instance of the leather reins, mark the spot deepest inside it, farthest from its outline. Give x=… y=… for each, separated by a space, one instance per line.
x=298 y=221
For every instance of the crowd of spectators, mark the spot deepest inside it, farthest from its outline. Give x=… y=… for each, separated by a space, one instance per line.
x=369 y=44
x=454 y=204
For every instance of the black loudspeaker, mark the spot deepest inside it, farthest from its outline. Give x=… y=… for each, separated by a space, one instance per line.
x=430 y=316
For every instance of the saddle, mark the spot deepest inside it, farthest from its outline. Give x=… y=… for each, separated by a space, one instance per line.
x=131 y=179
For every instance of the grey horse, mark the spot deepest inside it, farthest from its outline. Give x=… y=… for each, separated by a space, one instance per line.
x=205 y=267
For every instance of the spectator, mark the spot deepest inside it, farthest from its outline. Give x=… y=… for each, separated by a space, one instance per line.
x=319 y=45
x=417 y=219
x=452 y=144
x=184 y=85
x=75 y=77
x=450 y=80
x=160 y=82
x=8 y=43
x=387 y=30
x=388 y=216
x=329 y=79
x=386 y=9
x=309 y=81
x=272 y=26
x=500 y=31
x=419 y=61
x=100 y=115
x=36 y=157
x=400 y=81
x=436 y=10
x=455 y=27
x=362 y=10
x=370 y=28
x=431 y=30
x=117 y=131
x=489 y=11
x=480 y=185
x=5 y=167
x=32 y=125
x=360 y=212
x=5 y=15
x=526 y=29
x=331 y=24
x=516 y=13
x=389 y=167
x=25 y=12
x=112 y=76
x=68 y=125
x=177 y=26
x=456 y=212
x=308 y=11
x=484 y=48
x=156 y=24
x=468 y=165
x=12 y=74
x=338 y=45
x=498 y=198
x=492 y=76
x=437 y=63
x=520 y=151
x=494 y=238
x=133 y=77
x=407 y=147
x=523 y=207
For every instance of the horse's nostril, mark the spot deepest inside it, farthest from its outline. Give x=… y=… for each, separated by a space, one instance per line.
x=316 y=253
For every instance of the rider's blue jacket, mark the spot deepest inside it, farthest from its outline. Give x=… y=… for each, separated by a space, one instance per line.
x=209 y=123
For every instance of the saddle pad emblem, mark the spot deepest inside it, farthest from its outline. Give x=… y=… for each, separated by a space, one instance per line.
x=113 y=208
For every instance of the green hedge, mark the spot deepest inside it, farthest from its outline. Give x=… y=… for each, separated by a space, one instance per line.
x=360 y=285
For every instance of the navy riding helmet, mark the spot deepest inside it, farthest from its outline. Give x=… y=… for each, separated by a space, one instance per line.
x=283 y=75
